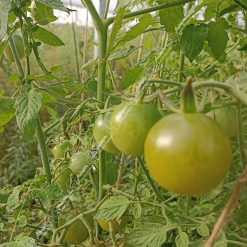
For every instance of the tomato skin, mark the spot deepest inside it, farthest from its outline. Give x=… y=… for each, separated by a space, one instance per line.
x=59 y=149
x=18 y=40
x=117 y=225
x=188 y=154
x=64 y=178
x=38 y=14
x=78 y=232
x=226 y=118
x=111 y=173
x=101 y=132
x=129 y=125
x=80 y=163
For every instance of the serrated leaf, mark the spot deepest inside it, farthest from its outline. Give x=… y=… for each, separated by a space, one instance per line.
x=49 y=192
x=203 y=230
x=6 y=114
x=5 y=7
x=121 y=4
x=13 y=78
x=113 y=209
x=31 y=77
x=56 y=69
x=137 y=212
x=182 y=240
x=145 y=57
x=139 y=28
x=150 y=234
x=181 y=204
x=230 y=185
x=218 y=37
x=41 y=11
x=192 y=40
x=171 y=17
x=13 y=200
x=23 y=242
x=146 y=193
x=132 y=76
x=120 y=54
x=55 y=4
x=27 y=109
x=21 y=221
x=47 y=37
x=6 y=103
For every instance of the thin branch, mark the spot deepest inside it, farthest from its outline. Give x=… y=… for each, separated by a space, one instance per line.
x=233 y=199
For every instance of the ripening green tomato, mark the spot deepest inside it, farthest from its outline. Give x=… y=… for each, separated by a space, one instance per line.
x=101 y=133
x=78 y=232
x=111 y=173
x=60 y=148
x=117 y=225
x=226 y=118
x=64 y=179
x=80 y=163
x=129 y=125
x=188 y=154
x=40 y=12
x=18 y=40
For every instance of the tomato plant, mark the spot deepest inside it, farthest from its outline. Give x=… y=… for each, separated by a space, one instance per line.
x=139 y=125
x=18 y=40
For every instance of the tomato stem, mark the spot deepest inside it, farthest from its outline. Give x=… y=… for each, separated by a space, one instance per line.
x=157 y=193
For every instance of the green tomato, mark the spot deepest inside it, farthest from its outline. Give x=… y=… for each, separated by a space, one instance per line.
x=40 y=12
x=111 y=173
x=64 y=179
x=101 y=133
x=188 y=154
x=226 y=118
x=77 y=232
x=60 y=148
x=129 y=125
x=80 y=163
x=18 y=40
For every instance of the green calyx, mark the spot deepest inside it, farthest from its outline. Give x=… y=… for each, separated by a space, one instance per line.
x=187 y=101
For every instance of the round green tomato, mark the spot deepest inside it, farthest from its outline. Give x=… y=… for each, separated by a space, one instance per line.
x=60 y=148
x=77 y=232
x=64 y=179
x=111 y=173
x=101 y=133
x=188 y=154
x=18 y=40
x=40 y=12
x=80 y=163
x=226 y=118
x=129 y=125
x=117 y=225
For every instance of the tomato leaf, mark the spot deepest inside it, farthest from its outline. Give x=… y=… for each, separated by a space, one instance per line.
x=192 y=40
x=218 y=37
x=13 y=200
x=27 y=109
x=113 y=209
x=89 y=64
x=46 y=37
x=22 y=242
x=150 y=234
x=55 y=4
x=13 y=78
x=120 y=54
x=171 y=17
x=5 y=7
x=203 y=230
x=132 y=76
x=137 y=211
x=121 y=4
x=139 y=28
x=182 y=240
x=56 y=69
x=49 y=192
x=8 y=111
